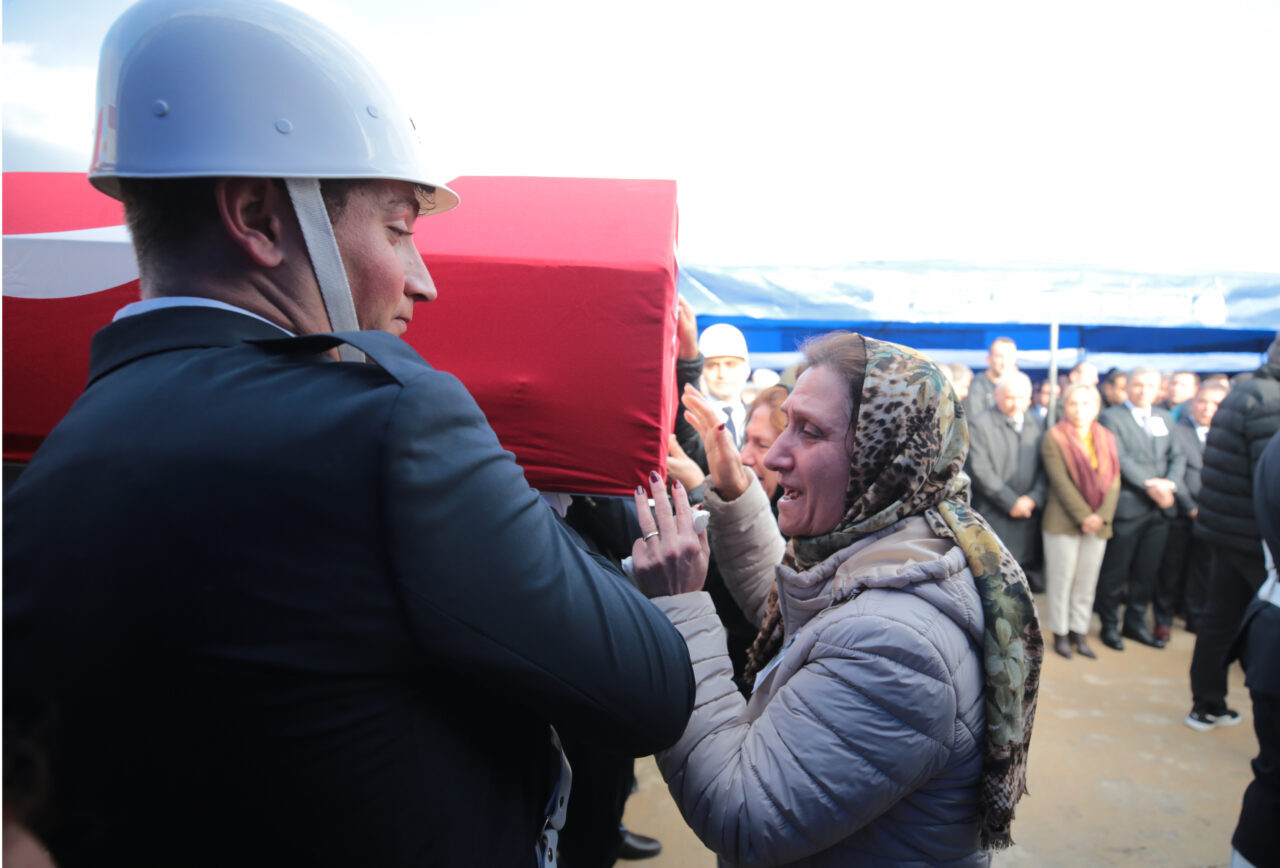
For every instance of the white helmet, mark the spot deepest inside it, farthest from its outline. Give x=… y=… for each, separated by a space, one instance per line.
x=252 y=88
x=245 y=88
x=722 y=339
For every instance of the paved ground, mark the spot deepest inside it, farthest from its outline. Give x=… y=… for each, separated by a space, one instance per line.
x=1115 y=777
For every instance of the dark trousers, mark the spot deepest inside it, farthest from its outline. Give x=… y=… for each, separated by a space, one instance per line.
x=602 y=779
x=1182 y=585
x=1259 y=650
x=1236 y=577
x=1133 y=558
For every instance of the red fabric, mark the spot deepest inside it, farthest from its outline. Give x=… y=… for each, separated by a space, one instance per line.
x=46 y=341
x=46 y=360
x=1092 y=484
x=55 y=202
x=556 y=309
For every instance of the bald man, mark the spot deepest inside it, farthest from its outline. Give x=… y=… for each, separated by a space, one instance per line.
x=1009 y=482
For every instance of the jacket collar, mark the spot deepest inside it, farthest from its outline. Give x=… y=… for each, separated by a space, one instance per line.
x=914 y=555
x=176 y=328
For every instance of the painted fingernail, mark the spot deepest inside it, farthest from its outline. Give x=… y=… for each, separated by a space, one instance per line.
x=720 y=427
x=640 y=490
x=676 y=484
x=654 y=477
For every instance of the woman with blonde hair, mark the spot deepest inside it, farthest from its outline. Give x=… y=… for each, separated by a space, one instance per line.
x=1083 y=467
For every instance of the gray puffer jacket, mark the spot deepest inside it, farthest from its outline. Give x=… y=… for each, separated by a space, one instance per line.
x=862 y=744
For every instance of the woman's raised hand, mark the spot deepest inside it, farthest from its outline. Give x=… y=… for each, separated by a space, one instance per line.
x=687 y=330
x=669 y=558
x=728 y=474
x=681 y=467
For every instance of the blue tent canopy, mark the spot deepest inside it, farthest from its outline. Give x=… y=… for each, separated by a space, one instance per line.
x=1219 y=322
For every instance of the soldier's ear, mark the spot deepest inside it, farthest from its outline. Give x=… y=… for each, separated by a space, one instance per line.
x=257 y=215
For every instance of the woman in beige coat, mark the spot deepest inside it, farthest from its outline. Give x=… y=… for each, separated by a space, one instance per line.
x=1084 y=483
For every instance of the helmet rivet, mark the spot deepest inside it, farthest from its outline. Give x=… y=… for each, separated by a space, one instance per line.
x=284 y=126
x=373 y=111
x=160 y=108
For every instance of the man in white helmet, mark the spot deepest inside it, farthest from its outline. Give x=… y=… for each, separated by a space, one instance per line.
x=725 y=369
x=266 y=607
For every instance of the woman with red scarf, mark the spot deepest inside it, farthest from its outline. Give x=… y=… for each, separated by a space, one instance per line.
x=1084 y=483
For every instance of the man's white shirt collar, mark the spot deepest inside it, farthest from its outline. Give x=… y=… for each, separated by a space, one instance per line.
x=149 y=304
x=733 y=407
x=1138 y=413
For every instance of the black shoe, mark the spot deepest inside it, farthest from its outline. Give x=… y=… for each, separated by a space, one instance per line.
x=1062 y=645
x=1081 y=644
x=1143 y=636
x=1111 y=638
x=638 y=846
x=1203 y=721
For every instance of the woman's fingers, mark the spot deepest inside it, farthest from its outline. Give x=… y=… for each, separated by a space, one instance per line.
x=661 y=505
x=684 y=512
x=684 y=517
x=669 y=558
x=643 y=514
x=699 y=413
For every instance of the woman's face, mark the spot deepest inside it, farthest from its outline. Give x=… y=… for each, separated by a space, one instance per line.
x=1080 y=408
x=760 y=436
x=811 y=457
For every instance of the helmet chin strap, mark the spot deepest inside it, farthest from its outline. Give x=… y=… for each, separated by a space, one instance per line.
x=326 y=260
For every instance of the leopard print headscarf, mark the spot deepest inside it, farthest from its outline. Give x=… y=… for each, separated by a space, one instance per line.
x=910 y=442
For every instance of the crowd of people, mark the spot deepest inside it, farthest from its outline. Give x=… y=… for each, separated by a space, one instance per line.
x=1095 y=485
x=1130 y=495
x=1136 y=504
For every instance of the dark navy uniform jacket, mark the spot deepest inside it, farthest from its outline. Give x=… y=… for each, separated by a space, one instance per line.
x=261 y=607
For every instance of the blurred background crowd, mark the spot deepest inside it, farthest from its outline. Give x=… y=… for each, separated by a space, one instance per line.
x=1120 y=492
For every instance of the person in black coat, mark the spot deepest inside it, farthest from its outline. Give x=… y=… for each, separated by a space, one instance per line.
x=1245 y=421
x=1258 y=647
x=1009 y=482
x=269 y=602
x=1182 y=584
x=1151 y=463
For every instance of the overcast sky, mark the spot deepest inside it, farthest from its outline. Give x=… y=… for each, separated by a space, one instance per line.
x=1123 y=134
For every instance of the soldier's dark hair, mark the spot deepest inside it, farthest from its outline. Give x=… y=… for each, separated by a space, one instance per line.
x=165 y=215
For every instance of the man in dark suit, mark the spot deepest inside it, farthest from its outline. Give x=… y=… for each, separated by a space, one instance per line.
x=1046 y=394
x=1009 y=483
x=1113 y=388
x=1151 y=463
x=725 y=370
x=265 y=606
x=1183 y=581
